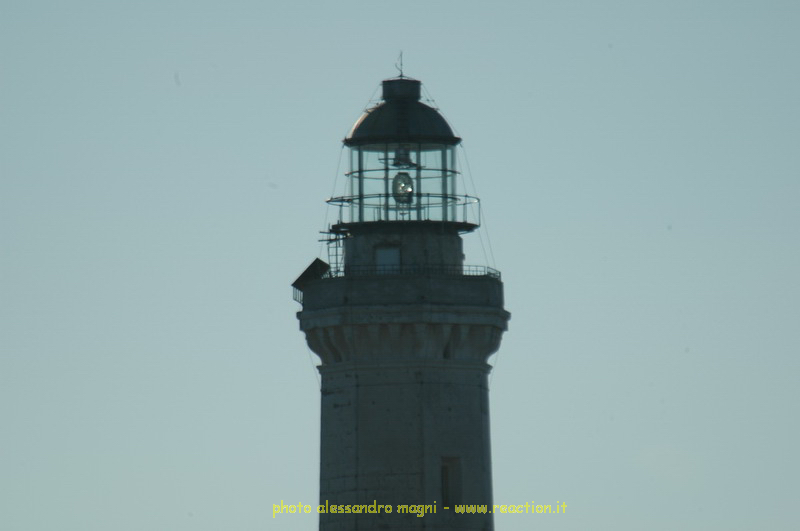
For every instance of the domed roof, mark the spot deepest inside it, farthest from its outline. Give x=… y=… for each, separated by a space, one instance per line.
x=401 y=118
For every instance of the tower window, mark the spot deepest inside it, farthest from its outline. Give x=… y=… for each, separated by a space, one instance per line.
x=451 y=481
x=387 y=259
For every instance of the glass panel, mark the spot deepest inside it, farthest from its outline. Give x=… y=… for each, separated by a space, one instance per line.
x=402 y=182
x=387 y=259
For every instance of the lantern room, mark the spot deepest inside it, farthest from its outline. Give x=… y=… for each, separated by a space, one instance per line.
x=403 y=164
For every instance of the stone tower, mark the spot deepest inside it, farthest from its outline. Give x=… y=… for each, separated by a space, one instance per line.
x=403 y=329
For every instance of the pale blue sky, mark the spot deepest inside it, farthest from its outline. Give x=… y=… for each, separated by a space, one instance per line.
x=163 y=171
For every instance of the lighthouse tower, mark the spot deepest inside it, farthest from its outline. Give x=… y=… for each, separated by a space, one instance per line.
x=403 y=329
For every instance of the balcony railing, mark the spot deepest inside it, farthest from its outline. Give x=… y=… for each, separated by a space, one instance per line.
x=415 y=270
x=407 y=270
x=422 y=207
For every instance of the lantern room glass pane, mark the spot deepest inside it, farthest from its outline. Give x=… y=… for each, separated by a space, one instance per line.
x=402 y=182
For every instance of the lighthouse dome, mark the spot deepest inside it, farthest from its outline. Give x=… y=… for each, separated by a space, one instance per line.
x=401 y=118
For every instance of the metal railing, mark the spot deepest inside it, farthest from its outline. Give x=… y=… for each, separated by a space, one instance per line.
x=423 y=206
x=414 y=270
x=407 y=270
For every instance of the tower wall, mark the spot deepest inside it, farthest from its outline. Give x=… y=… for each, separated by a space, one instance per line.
x=389 y=429
x=405 y=407
x=418 y=242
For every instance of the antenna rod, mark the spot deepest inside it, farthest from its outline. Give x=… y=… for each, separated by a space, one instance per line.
x=399 y=64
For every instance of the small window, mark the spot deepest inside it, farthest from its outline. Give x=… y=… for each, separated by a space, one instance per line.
x=387 y=259
x=451 y=481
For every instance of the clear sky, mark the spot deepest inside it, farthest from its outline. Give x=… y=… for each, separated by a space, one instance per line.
x=163 y=171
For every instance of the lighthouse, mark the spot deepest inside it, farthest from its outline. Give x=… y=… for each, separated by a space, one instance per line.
x=403 y=328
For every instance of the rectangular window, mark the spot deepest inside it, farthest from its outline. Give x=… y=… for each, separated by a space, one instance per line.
x=387 y=259
x=451 y=481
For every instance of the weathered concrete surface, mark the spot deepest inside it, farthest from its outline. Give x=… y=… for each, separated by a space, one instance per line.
x=388 y=428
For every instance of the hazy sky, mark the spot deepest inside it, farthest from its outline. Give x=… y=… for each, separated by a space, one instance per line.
x=163 y=171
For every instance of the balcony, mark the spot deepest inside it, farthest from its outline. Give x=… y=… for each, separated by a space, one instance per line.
x=389 y=275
